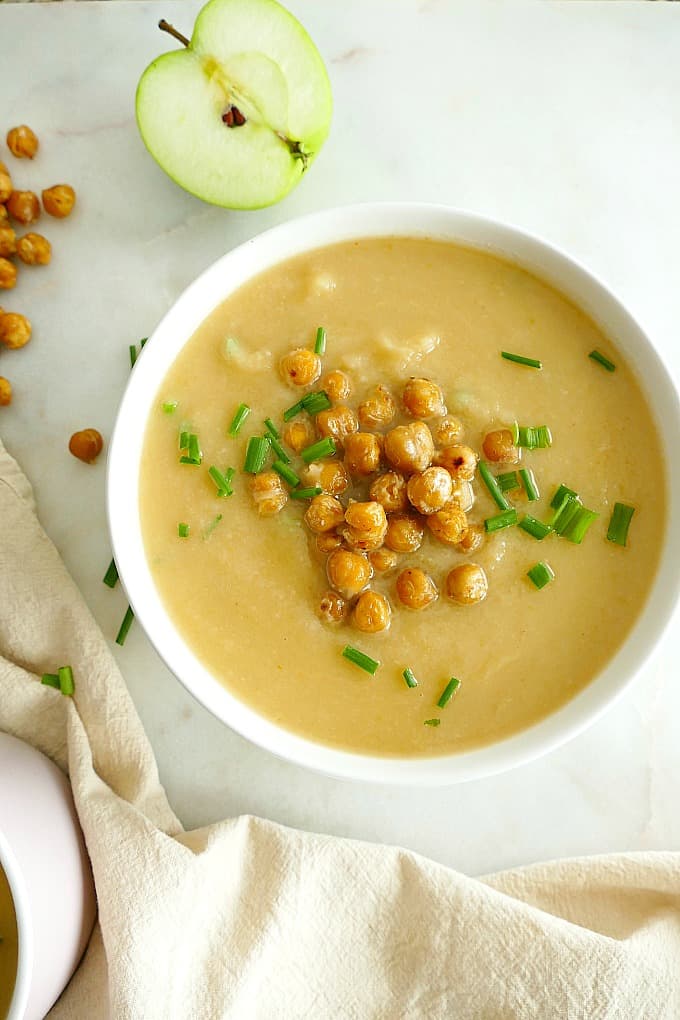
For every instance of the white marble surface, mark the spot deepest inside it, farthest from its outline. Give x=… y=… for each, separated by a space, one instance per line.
x=559 y=117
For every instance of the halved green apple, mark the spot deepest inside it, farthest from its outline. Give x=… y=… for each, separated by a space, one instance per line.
x=237 y=116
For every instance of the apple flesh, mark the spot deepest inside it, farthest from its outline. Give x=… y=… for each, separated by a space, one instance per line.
x=238 y=116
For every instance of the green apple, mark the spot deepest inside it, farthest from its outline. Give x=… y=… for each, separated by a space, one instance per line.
x=238 y=116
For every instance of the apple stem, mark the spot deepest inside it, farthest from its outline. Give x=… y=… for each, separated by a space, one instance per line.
x=165 y=26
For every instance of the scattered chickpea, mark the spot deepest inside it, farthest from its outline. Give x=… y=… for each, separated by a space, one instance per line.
x=410 y=447
x=22 y=142
x=416 y=589
x=23 y=206
x=367 y=526
x=337 y=422
x=404 y=533
x=422 y=398
x=8 y=241
x=8 y=274
x=362 y=453
x=34 y=249
x=15 y=329
x=383 y=560
x=389 y=490
x=5 y=184
x=372 y=613
x=462 y=494
x=448 y=525
x=348 y=572
x=300 y=367
x=377 y=410
x=298 y=434
x=337 y=386
x=59 y=200
x=5 y=391
x=447 y=431
x=86 y=445
x=327 y=541
x=332 y=608
x=459 y=461
x=499 y=447
x=467 y=584
x=324 y=513
x=330 y=475
x=268 y=492
x=472 y=538
x=430 y=491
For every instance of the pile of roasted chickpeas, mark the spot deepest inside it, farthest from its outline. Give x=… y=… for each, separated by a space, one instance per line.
x=387 y=487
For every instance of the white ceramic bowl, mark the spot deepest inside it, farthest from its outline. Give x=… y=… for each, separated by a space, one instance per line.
x=43 y=856
x=212 y=287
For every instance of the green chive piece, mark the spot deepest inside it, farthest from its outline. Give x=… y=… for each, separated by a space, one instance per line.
x=448 y=692
x=133 y=354
x=222 y=480
x=324 y=448
x=514 y=428
x=50 y=680
x=169 y=406
x=563 y=491
x=184 y=439
x=568 y=500
x=189 y=441
x=529 y=483
x=520 y=360
x=279 y=450
x=532 y=437
x=320 y=342
x=292 y=411
x=66 y=684
x=271 y=428
x=111 y=576
x=183 y=530
x=286 y=472
x=508 y=481
x=142 y=342
x=125 y=626
x=361 y=660
x=315 y=402
x=502 y=520
x=209 y=528
x=577 y=527
x=409 y=677
x=541 y=574
x=566 y=515
x=240 y=415
x=309 y=493
x=256 y=454
x=493 y=486
x=537 y=529
x=432 y=722
x=601 y=360
x=619 y=523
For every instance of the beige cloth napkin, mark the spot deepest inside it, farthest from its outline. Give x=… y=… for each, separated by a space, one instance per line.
x=247 y=919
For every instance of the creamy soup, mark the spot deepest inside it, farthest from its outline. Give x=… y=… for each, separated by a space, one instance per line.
x=244 y=590
x=8 y=946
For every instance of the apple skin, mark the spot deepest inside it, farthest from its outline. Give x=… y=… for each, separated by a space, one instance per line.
x=255 y=55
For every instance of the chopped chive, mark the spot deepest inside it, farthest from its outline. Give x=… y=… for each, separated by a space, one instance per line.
x=493 y=486
x=361 y=660
x=222 y=480
x=537 y=529
x=291 y=411
x=111 y=576
x=532 y=437
x=169 y=406
x=448 y=692
x=577 y=527
x=320 y=342
x=324 y=448
x=133 y=354
x=66 y=684
x=183 y=530
x=183 y=439
x=514 y=428
x=189 y=441
x=286 y=472
x=520 y=360
x=50 y=680
x=619 y=523
x=563 y=491
x=601 y=360
x=506 y=519
x=279 y=450
x=315 y=402
x=529 y=483
x=240 y=415
x=271 y=428
x=309 y=493
x=508 y=481
x=568 y=500
x=142 y=342
x=432 y=722
x=566 y=514
x=209 y=528
x=541 y=574
x=256 y=454
x=125 y=626
x=409 y=677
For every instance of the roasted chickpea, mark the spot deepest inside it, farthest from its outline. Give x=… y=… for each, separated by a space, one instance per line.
x=447 y=431
x=330 y=475
x=422 y=398
x=348 y=572
x=499 y=447
x=367 y=526
x=15 y=329
x=472 y=538
x=59 y=200
x=324 y=513
x=268 y=492
x=404 y=533
x=362 y=453
x=298 y=434
x=22 y=142
x=467 y=584
x=459 y=461
x=86 y=445
x=383 y=560
x=378 y=409
x=327 y=541
x=337 y=422
x=300 y=367
x=23 y=206
x=390 y=491
x=448 y=525
x=431 y=490
x=5 y=391
x=8 y=241
x=337 y=385
x=34 y=249
x=415 y=588
x=462 y=494
x=5 y=184
x=8 y=274
x=332 y=608
x=372 y=613
x=410 y=448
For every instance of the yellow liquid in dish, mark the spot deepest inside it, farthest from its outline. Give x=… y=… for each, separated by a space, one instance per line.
x=8 y=946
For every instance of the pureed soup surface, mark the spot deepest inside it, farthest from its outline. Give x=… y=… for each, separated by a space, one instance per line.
x=8 y=946
x=244 y=591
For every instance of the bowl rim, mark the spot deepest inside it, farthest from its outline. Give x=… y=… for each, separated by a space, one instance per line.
x=306 y=233
x=22 y=912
